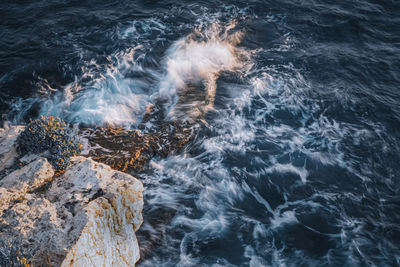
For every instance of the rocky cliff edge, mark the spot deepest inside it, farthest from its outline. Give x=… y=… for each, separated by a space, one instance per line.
x=85 y=217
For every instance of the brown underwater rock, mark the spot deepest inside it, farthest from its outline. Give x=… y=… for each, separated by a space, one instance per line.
x=130 y=150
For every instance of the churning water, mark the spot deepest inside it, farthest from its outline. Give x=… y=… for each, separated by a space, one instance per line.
x=296 y=160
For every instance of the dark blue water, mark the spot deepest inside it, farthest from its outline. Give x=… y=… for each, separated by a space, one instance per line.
x=297 y=160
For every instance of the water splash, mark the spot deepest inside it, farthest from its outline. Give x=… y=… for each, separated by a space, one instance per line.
x=108 y=95
x=103 y=95
x=192 y=64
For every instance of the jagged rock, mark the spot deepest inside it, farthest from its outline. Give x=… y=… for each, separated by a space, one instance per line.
x=87 y=217
x=29 y=177
x=107 y=224
x=29 y=224
x=8 y=147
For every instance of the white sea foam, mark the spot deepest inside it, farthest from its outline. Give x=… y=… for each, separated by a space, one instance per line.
x=107 y=98
x=211 y=187
x=192 y=61
x=283 y=168
x=197 y=61
x=284 y=218
x=114 y=98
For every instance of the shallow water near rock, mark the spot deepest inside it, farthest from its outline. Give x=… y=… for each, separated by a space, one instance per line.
x=294 y=107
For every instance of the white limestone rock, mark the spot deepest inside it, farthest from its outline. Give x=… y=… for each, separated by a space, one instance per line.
x=88 y=217
x=8 y=152
x=107 y=224
x=29 y=177
x=30 y=225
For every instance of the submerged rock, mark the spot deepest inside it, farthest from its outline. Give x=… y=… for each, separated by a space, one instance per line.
x=85 y=217
x=130 y=150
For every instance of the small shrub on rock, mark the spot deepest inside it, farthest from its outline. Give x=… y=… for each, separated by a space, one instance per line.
x=53 y=136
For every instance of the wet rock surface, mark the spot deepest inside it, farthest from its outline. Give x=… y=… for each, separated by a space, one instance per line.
x=130 y=150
